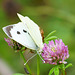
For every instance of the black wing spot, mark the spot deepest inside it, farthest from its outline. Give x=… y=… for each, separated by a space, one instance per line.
x=18 y=32
x=25 y=31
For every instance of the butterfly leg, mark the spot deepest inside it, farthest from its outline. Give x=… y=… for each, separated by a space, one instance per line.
x=30 y=58
x=40 y=57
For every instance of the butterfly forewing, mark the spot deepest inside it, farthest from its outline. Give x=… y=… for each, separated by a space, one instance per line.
x=19 y=32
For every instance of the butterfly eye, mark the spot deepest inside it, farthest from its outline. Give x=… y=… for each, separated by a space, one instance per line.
x=18 y=32
x=25 y=31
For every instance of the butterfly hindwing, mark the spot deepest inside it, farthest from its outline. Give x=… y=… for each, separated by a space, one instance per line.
x=33 y=30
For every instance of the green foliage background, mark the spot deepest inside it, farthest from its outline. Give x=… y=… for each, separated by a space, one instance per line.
x=50 y=15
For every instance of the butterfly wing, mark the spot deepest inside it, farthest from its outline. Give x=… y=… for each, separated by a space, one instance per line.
x=19 y=32
x=33 y=30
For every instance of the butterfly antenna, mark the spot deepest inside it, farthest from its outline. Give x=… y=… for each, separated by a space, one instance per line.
x=30 y=58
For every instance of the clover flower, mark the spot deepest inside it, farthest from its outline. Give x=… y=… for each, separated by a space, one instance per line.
x=15 y=45
x=55 y=53
x=9 y=41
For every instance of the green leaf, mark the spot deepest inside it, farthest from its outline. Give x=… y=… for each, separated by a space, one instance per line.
x=23 y=51
x=69 y=65
x=18 y=74
x=51 y=71
x=50 y=38
x=46 y=42
x=50 y=34
x=22 y=48
x=56 y=70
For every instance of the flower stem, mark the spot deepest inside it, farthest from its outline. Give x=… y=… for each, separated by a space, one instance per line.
x=63 y=72
x=25 y=62
x=38 y=65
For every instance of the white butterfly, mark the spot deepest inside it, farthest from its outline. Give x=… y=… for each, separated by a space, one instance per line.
x=26 y=33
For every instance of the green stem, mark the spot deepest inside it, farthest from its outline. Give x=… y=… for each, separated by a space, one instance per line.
x=63 y=72
x=38 y=65
x=25 y=62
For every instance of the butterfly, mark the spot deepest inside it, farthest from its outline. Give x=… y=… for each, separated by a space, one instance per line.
x=26 y=32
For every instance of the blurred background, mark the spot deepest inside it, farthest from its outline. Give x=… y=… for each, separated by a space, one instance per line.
x=50 y=15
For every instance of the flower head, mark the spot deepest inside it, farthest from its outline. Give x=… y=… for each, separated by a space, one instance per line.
x=15 y=45
x=9 y=41
x=55 y=53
